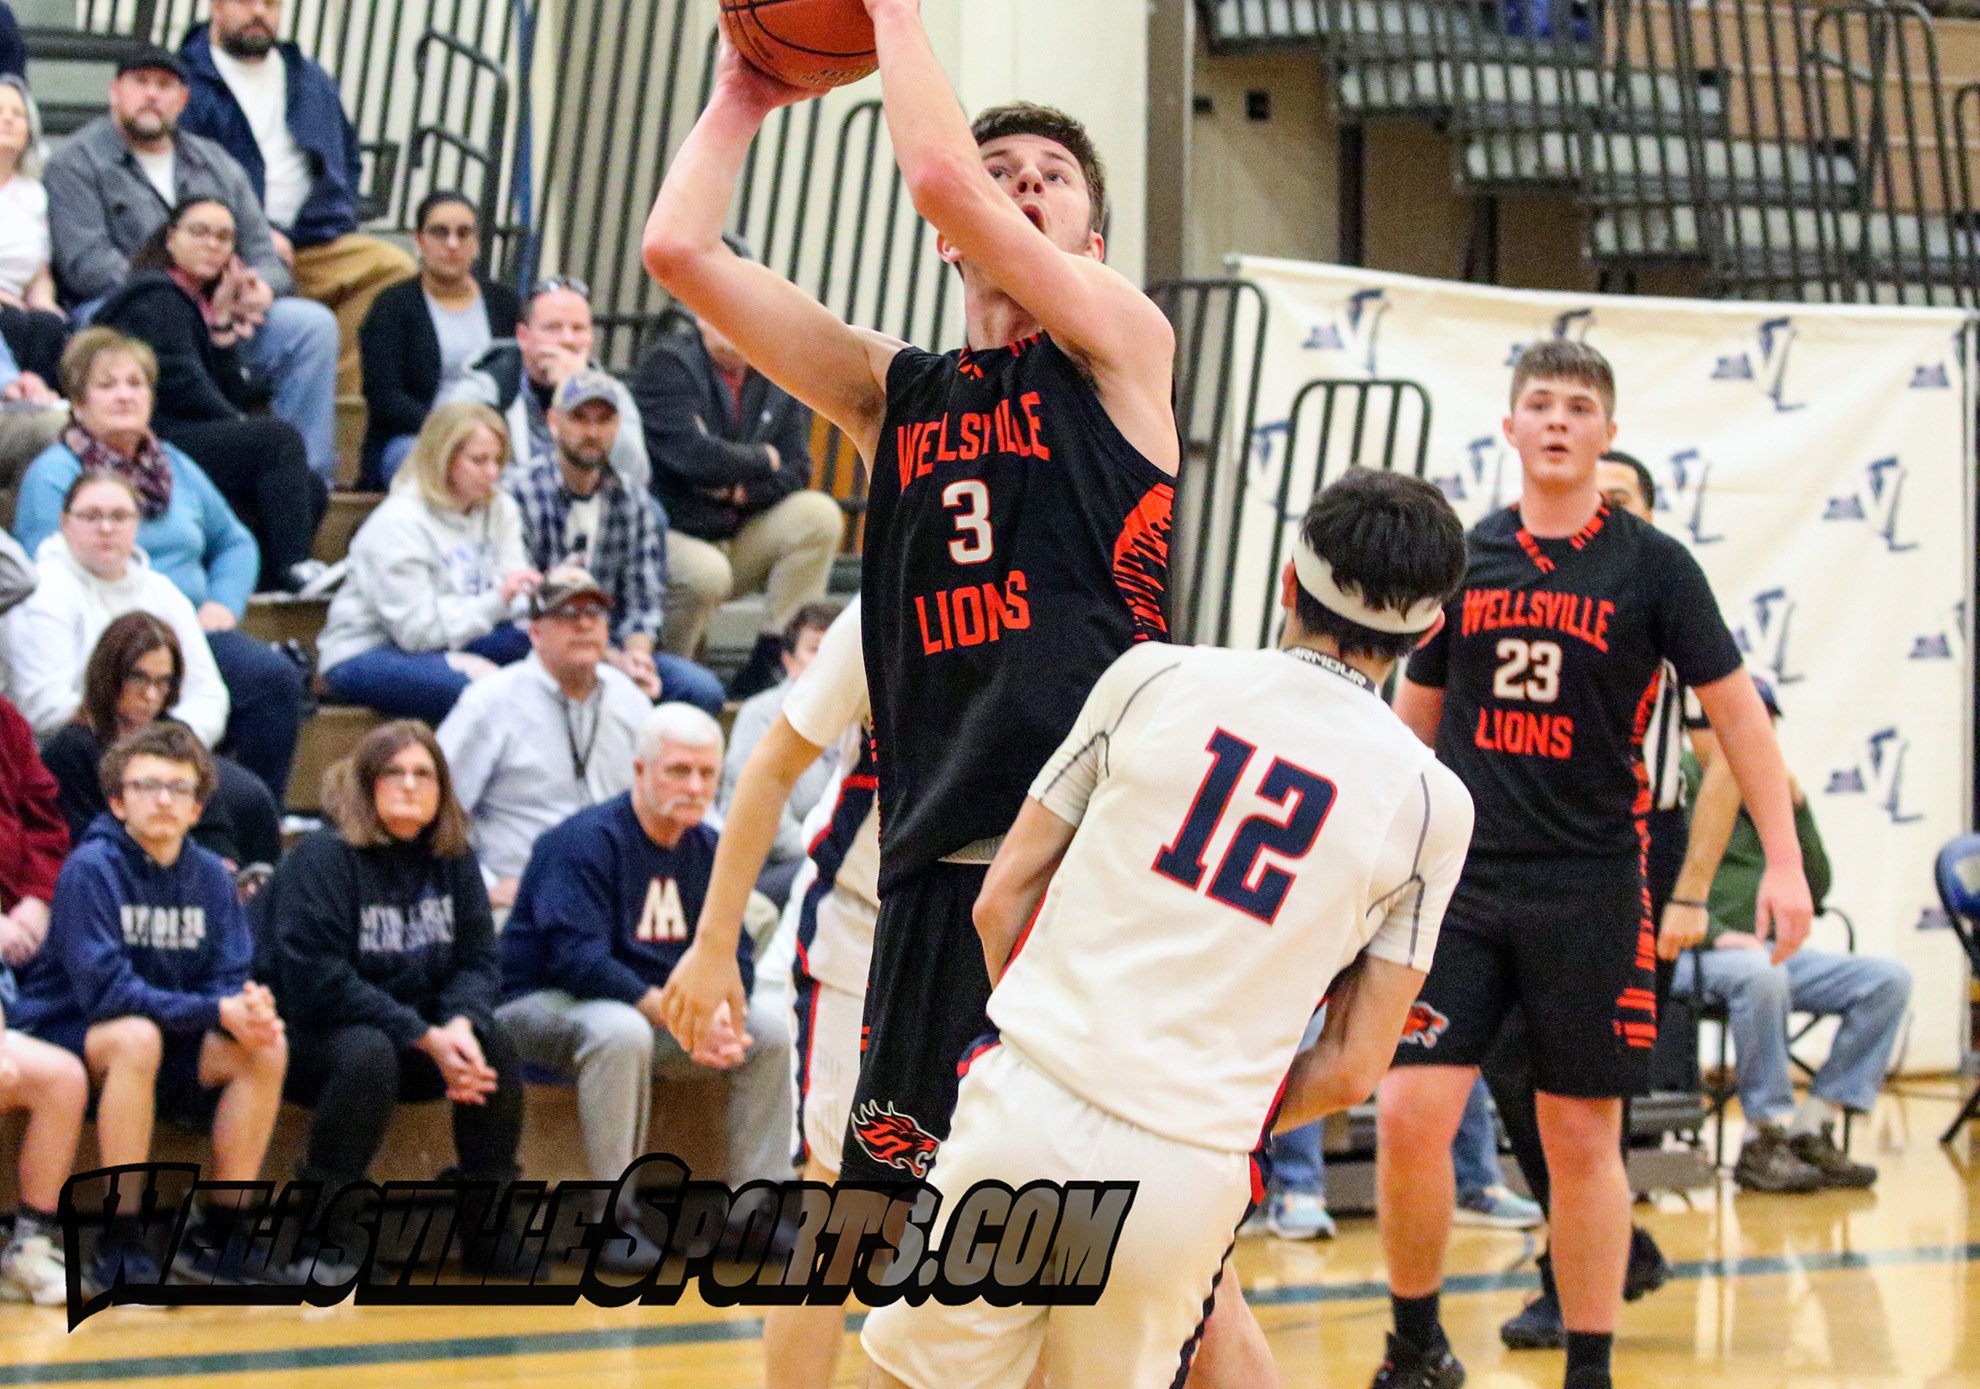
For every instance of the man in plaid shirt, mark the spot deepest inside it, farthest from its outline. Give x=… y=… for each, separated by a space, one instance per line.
x=577 y=511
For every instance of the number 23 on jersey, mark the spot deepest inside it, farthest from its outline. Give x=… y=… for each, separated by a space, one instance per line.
x=1304 y=797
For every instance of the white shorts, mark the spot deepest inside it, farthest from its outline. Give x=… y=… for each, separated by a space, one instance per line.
x=1017 y=1125
x=827 y=1060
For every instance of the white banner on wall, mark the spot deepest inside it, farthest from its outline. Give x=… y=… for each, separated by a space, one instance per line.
x=1818 y=462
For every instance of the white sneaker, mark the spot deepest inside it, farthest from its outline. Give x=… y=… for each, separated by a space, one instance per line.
x=1299 y=1215
x=1496 y=1207
x=31 y=1270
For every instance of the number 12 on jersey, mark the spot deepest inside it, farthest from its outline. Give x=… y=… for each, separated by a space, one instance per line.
x=1311 y=796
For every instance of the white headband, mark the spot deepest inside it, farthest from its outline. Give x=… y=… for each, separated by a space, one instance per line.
x=1316 y=576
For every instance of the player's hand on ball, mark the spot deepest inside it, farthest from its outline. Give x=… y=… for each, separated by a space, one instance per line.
x=734 y=75
x=1683 y=926
x=1783 y=910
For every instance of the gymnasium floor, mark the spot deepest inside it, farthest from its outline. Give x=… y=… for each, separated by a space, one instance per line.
x=1831 y=1290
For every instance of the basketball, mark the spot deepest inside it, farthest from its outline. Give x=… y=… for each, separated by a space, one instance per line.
x=816 y=44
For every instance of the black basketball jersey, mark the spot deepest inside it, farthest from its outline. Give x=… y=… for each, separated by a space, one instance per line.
x=1549 y=660
x=1016 y=544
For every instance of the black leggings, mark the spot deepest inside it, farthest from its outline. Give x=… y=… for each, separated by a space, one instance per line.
x=354 y=1076
x=261 y=468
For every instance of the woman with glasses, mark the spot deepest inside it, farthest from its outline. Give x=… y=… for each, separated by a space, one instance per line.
x=132 y=680
x=186 y=299
x=387 y=970
x=184 y=532
x=424 y=333
x=435 y=574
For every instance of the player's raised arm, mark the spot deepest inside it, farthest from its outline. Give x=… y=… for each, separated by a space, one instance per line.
x=1782 y=911
x=837 y=370
x=1021 y=212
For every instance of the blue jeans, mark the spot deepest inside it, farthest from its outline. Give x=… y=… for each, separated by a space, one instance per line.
x=397 y=448
x=296 y=349
x=1298 y=1165
x=265 y=689
x=1869 y=992
x=417 y=684
x=1475 y=1150
x=688 y=682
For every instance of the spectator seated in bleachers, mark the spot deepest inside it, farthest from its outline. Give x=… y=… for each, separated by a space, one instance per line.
x=13 y=51
x=606 y=909
x=787 y=852
x=145 y=977
x=281 y=116
x=553 y=342
x=186 y=531
x=434 y=574
x=35 y=329
x=44 y=1080
x=576 y=510
x=184 y=301
x=540 y=740
x=111 y=186
x=1790 y=1148
x=423 y=334
x=91 y=573
x=732 y=466
x=387 y=969
x=133 y=680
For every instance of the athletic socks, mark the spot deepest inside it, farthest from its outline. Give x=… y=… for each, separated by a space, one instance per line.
x=1588 y=1359
x=1814 y=1115
x=1416 y=1320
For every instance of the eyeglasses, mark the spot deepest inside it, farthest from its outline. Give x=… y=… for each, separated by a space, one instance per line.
x=110 y=520
x=466 y=232
x=410 y=776
x=200 y=231
x=553 y=283
x=157 y=684
x=151 y=789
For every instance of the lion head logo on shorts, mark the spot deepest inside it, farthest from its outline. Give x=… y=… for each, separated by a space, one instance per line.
x=1424 y=1027
x=894 y=1139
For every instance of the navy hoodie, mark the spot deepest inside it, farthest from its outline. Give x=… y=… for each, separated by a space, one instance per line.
x=604 y=912
x=128 y=937
x=391 y=936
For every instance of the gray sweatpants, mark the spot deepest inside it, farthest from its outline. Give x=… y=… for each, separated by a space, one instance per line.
x=615 y=1054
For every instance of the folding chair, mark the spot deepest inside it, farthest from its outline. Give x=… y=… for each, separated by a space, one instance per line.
x=1957 y=873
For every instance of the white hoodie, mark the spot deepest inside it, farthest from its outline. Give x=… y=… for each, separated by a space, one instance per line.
x=50 y=636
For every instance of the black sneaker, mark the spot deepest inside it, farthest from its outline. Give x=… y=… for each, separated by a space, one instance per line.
x=1648 y=1269
x=1538 y=1325
x=1767 y=1163
x=1820 y=1152
x=1406 y=1367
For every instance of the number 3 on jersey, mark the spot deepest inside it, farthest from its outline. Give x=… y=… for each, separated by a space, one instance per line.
x=1528 y=671
x=1312 y=796
x=970 y=500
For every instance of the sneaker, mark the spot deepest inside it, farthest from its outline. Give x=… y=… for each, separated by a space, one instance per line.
x=1498 y=1208
x=1406 y=1367
x=1538 y=1325
x=1767 y=1163
x=1820 y=1152
x=313 y=578
x=1648 y=1269
x=1299 y=1215
x=231 y=1265
x=1258 y=1222
x=112 y=1257
x=32 y=1269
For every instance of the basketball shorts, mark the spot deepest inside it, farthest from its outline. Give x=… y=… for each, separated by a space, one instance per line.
x=925 y=998
x=180 y=1099
x=1015 y=1124
x=1566 y=943
x=827 y=1056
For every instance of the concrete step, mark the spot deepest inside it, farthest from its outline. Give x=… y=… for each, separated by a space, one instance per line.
x=1789 y=243
x=1629 y=168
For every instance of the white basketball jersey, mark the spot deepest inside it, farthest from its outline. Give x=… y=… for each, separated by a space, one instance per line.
x=828 y=705
x=1248 y=822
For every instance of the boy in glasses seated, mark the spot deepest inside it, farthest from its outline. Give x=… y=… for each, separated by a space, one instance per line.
x=144 y=975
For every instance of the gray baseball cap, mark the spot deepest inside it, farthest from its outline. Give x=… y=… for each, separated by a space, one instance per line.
x=586 y=385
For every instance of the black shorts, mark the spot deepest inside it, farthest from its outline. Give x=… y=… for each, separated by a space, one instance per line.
x=925 y=999
x=1568 y=943
x=179 y=1097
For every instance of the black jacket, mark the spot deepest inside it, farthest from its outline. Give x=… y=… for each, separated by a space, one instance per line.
x=72 y=754
x=401 y=355
x=700 y=451
x=390 y=936
x=197 y=382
